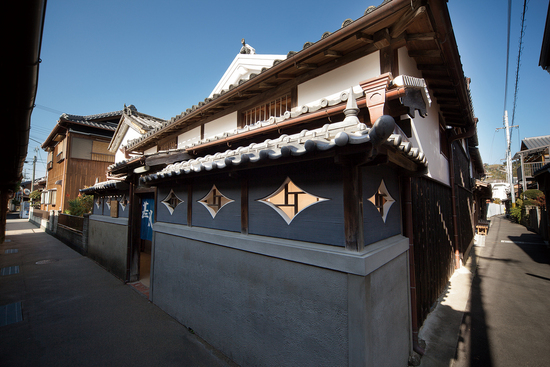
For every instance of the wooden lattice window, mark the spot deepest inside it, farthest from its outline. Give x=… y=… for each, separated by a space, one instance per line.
x=262 y=112
x=169 y=144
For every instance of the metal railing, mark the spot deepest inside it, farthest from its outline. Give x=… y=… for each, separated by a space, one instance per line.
x=529 y=168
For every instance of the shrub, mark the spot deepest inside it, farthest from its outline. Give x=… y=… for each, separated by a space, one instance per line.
x=81 y=205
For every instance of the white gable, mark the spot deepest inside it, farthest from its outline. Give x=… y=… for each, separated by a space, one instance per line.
x=242 y=66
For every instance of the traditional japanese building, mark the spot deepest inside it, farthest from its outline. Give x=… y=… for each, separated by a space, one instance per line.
x=77 y=156
x=313 y=207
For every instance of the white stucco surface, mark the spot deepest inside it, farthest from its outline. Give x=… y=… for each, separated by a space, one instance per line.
x=425 y=131
x=223 y=124
x=151 y=150
x=339 y=79
x=189 y=137
x=130 y=134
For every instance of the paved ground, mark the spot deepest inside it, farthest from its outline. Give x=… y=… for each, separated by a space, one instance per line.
x=74 y=313
x=506 y=321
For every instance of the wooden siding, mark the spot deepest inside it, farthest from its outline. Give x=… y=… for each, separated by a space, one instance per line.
x=433 y=246
x=464 y=197
x=82 y=173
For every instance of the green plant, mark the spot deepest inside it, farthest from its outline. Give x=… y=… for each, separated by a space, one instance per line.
x=35 y=196
x=534 y=197
x=81 y=205
x=515 y=212
x=497 y=201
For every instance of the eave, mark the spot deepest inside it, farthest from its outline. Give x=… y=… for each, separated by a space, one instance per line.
x=428 y=37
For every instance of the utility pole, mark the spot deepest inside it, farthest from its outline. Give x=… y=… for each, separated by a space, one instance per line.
x=33 y=173
x=509 y=173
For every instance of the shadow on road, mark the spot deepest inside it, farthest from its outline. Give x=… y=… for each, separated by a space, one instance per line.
x=474 y=348
x=532 y=245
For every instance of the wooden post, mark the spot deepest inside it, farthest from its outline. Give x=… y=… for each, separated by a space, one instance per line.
x=244 y=205
x=353 y=202
x=4 y=199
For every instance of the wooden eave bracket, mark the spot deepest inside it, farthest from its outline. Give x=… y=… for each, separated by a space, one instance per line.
x=375 y=91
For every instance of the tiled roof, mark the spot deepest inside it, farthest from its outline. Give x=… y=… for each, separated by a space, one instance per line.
x=105 y=185
x=310 y=107
x=131 y=144
x=537 y=142
x=98 y=116
x=348 y=132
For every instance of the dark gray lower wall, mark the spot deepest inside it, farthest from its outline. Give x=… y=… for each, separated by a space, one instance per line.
x=70 y=237
x=107 y=243
x=268 y=310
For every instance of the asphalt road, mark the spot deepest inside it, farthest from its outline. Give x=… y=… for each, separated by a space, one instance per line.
x=508 y=323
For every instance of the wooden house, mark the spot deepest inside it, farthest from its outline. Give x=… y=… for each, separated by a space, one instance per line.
x=77 y=156
x=533 y=155
x=312 y=209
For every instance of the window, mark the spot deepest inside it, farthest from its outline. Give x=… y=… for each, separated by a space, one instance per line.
x=169 y=144
x=60 y=150
x=289 y=200
x=274 y=108
x=171 y=201
x=101 y=153
x=214 y=201
x=91 y=149
x=382 y=200
x=50 y=160
x=53 y=197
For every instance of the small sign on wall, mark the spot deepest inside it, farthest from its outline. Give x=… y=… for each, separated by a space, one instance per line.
x=114 y=209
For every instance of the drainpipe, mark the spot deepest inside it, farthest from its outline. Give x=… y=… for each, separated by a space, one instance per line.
x=408 y=211
x=468 y=134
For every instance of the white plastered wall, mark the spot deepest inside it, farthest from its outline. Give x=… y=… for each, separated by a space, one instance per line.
x=339 y=79
x=221 y=125
x=130 y=134
x=151 y=150
x=189 y=137
x=425 y=131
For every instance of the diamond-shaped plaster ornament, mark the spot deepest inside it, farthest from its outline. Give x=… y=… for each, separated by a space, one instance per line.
x=382 y=200
x=214 y=201
x=289 y=200
x=171 y=201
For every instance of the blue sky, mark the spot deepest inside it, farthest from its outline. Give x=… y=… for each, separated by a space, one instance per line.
x=167 y=55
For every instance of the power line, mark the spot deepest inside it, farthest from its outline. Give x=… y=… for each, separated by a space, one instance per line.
x=521 y=34
x=52 y=110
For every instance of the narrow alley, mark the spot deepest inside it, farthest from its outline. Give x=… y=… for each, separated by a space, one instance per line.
x=508 y=318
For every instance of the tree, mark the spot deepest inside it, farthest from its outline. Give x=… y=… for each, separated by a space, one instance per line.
x=35 y=196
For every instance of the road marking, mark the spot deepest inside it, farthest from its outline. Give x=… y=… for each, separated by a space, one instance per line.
x=523 y=243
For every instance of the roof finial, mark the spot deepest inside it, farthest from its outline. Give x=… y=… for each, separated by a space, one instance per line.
x=351 y=110
x=247 y=49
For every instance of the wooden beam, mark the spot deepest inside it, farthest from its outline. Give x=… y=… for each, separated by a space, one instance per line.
x=382 y=38
x=265 y=85
x=363 y=37
x=425 y=53
x=421 y=36
x=332 y=53
x=426 y=67
x=406 y=20
x=285 y=76
x=306 y=66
